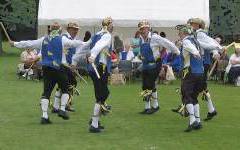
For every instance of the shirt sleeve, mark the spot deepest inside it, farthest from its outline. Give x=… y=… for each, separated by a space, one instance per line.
x=165 y=43
x=34 y=44
x=67 y=43
x=208 y=43
x=190 y=48
x=105 y=41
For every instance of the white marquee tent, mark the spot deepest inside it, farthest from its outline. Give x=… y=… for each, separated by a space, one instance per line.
x=162 y=14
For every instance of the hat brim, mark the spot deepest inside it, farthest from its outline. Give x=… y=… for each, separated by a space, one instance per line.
x=145 y=26
x=74 y=27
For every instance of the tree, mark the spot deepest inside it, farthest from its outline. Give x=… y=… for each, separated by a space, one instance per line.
x=19 y=18
x=1 y=39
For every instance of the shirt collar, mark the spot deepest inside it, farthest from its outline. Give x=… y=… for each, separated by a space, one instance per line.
x=198 y=30
x=186 y=37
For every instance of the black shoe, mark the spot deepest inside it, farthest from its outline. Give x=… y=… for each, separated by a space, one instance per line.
x=155 y=109
x=94 y=130
x=198 y=126
x=45 y=121
x=99 y=124
x=147 y=111
x=210 y=116
x=63 y=114
x=144 y=111
x=191 y=127
x=54 y=110
x=69 y=108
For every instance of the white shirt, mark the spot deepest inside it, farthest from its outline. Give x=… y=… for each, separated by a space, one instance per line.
x=64 y=59
x=208 y=43
x=37 y=44
x=102 y=47
x=81 y=53
x=234 y=57
x=130 y=55
x=69 y=36
x=157 y=42
x=188 y=48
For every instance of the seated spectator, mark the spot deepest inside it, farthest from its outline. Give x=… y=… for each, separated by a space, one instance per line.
x=234 y=65
x=127 y=53
x=29 y=67
x=117 y=44
x=163 y=71
x=135 y=44
x=114 y=59
x=221 y=67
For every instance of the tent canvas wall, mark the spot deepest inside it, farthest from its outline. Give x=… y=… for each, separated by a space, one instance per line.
x=163 y=15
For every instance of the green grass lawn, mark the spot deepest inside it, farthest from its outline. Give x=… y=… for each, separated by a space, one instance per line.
x=125 y=128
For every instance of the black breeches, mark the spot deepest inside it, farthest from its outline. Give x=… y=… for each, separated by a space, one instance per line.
x=71 y=77
x=191 y=86
x=51 y=77
x=148 y=79
x=100 y=85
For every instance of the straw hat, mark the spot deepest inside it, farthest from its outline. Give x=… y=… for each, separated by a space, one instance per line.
x=107 y=21
x=197 y=21
x=73 y=25
x=143 y=23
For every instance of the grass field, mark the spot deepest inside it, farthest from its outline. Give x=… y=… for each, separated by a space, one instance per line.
x=125 y=128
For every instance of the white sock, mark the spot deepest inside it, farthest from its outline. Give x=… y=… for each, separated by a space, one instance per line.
x=44 y=105
x=95 y=116
x=209 y=103
x=154 y=100
x=147 y=105
x=197 y=112
x=64 y=101
x=190 y=110
x=57 y=97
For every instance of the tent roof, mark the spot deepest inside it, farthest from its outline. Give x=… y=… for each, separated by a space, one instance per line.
x=125 y=13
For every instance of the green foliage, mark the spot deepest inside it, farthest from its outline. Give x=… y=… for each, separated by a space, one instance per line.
x=125 y=128
x=19 y=12
x=225 y=19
